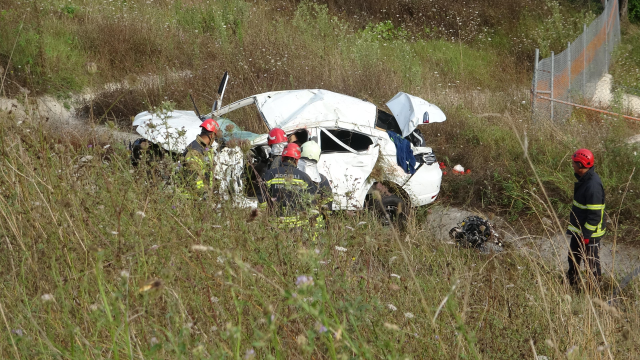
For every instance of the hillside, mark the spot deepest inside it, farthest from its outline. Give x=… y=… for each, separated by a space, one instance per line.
x=102 y=262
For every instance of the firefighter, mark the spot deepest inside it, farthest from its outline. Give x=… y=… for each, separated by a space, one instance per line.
x=309 y=164
x=321 y=189
x=198 y=156
x=586 y=221
x=209 y=133
x=277 y=140
x=287 y=191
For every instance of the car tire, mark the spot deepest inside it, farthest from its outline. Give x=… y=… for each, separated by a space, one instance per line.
x=395 y=207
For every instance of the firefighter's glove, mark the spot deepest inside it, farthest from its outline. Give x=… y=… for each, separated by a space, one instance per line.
x=586 y=241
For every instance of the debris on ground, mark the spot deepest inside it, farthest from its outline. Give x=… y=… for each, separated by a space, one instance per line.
x=476 y=232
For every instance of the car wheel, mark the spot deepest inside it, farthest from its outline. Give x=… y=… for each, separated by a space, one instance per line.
x=393 y=206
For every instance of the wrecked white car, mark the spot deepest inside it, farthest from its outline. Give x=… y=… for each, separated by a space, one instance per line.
x=358 y=155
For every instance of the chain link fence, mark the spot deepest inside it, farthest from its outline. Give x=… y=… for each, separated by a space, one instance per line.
x=562 y=79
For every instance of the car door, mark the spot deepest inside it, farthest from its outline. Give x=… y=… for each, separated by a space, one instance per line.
x=346 y=159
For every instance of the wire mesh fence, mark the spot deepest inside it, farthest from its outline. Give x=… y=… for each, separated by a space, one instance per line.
x=574 y=73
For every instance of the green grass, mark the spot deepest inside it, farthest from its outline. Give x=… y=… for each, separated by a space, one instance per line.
x=92 y=232
x=84 y=234
x=626 y=64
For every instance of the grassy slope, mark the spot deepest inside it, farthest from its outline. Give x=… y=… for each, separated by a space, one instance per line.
x=84 y=234
x=58 y=219
x=477 y=70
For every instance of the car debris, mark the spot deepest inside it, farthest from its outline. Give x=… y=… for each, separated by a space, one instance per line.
x=476 y=232
x=353 y=135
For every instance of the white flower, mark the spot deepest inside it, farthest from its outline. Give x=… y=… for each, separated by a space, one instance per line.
x=409 y=315
x=220 y=260
x=124 y=274
x=201 y=248
x=114 y=232
x=46 y=297
x=141 y=214
x=571 y=349
x=214 y=299
x=395 y=276
x=391 y=307
x=341 y=249
x=304 y=280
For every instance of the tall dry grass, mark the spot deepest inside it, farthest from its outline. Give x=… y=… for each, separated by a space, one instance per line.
x=103 y=261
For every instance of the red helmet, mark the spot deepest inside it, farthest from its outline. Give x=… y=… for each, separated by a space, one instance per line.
x=584 y=157
x=292 y=150
x=277 y=136
x=210 y=125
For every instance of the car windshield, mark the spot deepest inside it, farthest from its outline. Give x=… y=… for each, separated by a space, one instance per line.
x=231 y=130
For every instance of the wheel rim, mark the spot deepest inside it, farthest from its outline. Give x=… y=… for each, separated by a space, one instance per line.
x=391 y=210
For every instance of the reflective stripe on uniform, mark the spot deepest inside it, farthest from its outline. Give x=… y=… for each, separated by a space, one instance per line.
x=574 y=229
x=588 y=206
x=281 y=181
x=597 y=230
x=291 y=222
x=262 y=205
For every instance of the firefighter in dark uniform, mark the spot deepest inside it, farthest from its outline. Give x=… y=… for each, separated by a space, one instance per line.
x=198 y=157
x=286 y=193
x=587 y=220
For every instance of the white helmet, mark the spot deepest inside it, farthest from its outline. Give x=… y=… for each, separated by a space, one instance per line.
x=311 y=150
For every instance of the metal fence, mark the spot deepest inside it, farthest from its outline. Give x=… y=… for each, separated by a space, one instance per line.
x=573 y=74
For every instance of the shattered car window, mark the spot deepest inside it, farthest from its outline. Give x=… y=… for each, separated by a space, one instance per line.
x=387 y=122
x=356 y=141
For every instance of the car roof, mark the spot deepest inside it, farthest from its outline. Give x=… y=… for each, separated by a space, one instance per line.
x=309 y=108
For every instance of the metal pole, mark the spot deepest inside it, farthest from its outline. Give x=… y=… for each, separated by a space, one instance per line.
x=535 y=85
x=570 y=61
x=606 y=37
x=552 y=76
x=589 y=108
x=584 y=60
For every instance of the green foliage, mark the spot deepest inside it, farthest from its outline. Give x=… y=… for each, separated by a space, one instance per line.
x=228 y=16
x=554 y=32
x=69 y=9
x=385 y=31
x=634 y=11
x=625 y=66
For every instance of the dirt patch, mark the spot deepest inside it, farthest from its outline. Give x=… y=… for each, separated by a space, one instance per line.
x=619 y=259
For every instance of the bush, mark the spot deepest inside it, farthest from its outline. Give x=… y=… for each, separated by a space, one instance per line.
x=634 y=11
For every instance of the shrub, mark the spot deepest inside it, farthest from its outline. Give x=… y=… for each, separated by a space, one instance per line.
x=634 y=11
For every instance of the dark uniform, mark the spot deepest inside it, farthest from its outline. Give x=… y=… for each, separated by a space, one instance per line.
x=275 y=162
x=198 y=166
x=287 y=192
x=323 y=195
x=586 y=222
